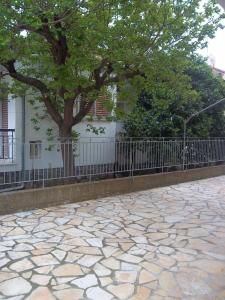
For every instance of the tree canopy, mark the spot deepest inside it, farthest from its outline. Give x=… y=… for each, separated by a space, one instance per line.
x=70 y=51
x=162 y=111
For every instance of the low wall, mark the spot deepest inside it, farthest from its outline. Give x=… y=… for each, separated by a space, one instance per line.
x=39 y=198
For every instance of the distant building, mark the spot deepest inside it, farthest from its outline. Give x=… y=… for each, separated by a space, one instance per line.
x=222 y=3
x=219 y=72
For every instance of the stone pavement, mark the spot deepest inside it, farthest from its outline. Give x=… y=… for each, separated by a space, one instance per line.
x=160 y=244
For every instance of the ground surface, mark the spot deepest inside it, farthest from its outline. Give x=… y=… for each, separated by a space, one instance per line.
x=166 y=243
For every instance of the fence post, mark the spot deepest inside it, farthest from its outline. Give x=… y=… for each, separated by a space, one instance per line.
x=184 y=144
x=43 y=179
x=162 y=154
x=131 y=165
x=90 y=162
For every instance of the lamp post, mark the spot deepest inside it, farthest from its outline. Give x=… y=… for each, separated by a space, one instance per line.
x=186 y=121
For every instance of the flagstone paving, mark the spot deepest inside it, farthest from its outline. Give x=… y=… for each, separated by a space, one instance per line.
x=161 y=244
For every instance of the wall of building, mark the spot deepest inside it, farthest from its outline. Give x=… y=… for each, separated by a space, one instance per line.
x=90 y=150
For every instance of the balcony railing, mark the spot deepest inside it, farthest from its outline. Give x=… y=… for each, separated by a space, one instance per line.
x=6 y=144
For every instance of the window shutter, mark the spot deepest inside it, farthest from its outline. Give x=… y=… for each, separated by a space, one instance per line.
x=5 y=136
x=5 y=114
x=98 y=110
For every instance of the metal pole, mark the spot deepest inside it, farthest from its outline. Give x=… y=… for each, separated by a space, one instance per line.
x=184 y=143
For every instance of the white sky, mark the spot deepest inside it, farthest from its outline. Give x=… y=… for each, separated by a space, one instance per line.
x=216 y=49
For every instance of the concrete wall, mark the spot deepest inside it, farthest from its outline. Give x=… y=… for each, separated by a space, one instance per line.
x=39 y=198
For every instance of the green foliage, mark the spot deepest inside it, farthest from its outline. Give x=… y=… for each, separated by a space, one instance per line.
x=95 y=130
x=161 y=111
x=75 y=49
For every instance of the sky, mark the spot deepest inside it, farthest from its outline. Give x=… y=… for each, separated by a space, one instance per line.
x=216 y=46
x=216 y=50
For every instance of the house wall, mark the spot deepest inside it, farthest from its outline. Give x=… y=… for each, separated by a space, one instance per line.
x=11 y=113
x=92 y=149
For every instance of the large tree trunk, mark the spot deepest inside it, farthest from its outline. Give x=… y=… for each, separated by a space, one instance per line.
x=67 y=151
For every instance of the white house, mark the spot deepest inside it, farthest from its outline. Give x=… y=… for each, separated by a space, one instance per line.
x=26 y=146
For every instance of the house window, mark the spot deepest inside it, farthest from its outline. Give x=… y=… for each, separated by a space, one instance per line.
x=35 y=149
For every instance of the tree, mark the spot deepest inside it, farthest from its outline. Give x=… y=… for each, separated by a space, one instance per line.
x=161 y=112
x=70 y=51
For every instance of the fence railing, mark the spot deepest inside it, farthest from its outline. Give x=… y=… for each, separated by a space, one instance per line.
x=47 y=163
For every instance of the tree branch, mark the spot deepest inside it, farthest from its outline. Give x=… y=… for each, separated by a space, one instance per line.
x=39 y=85
x=58 y=46
x=85 y=107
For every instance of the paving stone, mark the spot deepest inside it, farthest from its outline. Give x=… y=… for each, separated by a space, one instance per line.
x=40 y=279
x=209 y=266
x=108 y=251
x=4 y=249
x=15 y=286
x=166 y=250
x=169 y=285
x=130 y=267
x=96 y=242
x=44 y=270
x=137 y=251
x=193 y=284
x=4 y=262
x=88 y=250
x=121 y=291
x=166 y=243
x=44 y=227
x=157 y=236
x=41 y=293
x=151 y=267
x=197 y=232
x=126 y=246
x=142 y=293
x=44 y=260
x=126 y=276
x=27 y=275
x=86 y=281
x=62 y=280
x=96 y=293
x=59 y=254
x=16 y=232
x=72 y=257
x=17 y=255
x=68 y=270
x=100 y=270
x=140 y=240
x=130 y=258
x=105 y=281
x=146 y=276
x=89 y=260
x=174 y=219
x=21 y=265
x=77 y=233
x=111 y=263
x=69 y=294
x=7 y=275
